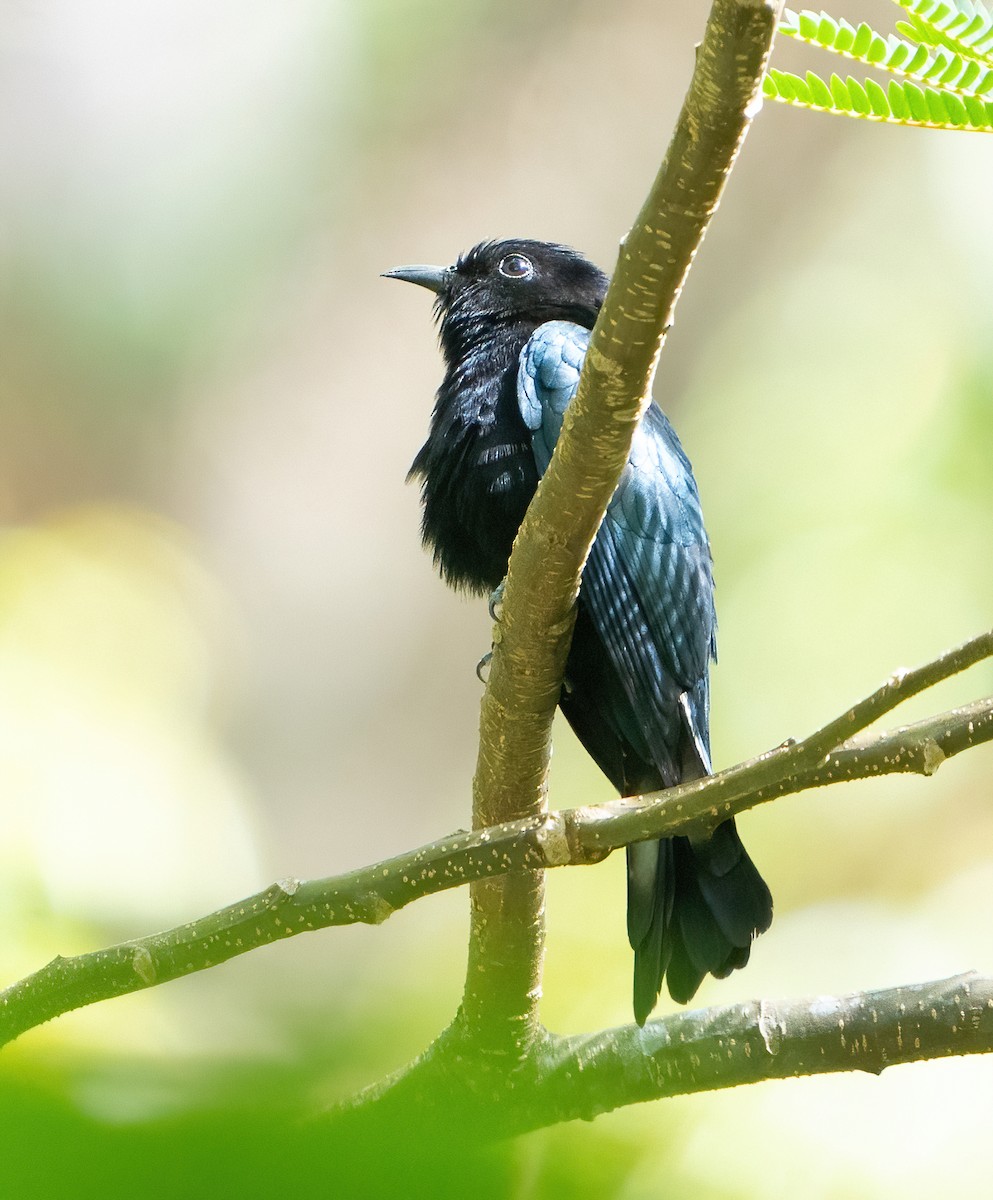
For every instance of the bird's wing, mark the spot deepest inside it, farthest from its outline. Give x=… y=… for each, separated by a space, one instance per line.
x=647 y=584
x=547 y=378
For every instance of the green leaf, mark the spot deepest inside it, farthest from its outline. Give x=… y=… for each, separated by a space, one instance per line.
x=916 y=102
x=877 y=98
x=865 y=41
x=973 y=30
x=967 y=30
x=919 y=31
x=785 y=84
x=955 y=109
x=976 y=110
x=917 y=60
x=860 y=101
x=875 y=50
x=801 y=91
x=819 y=91
x=971 y=73
x=839 y=94
x=807 y=25
x=935 y=65
x=900 y=103
x=953 y=69
x=844 y=39
x=936 y=109
x=898 y=100
x=899 y=54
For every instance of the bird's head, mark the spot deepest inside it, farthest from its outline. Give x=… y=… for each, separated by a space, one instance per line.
x=517 y=282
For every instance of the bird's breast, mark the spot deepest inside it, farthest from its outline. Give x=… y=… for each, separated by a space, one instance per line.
x=479 y=476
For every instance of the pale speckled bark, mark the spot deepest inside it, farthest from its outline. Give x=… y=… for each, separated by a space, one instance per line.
x=581 y=1077
x=570 y=1078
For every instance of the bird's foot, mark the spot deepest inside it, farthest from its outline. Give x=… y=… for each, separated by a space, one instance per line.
x=496 y=601
x=495 y=608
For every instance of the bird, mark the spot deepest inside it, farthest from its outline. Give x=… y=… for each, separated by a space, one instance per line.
x=514 y=319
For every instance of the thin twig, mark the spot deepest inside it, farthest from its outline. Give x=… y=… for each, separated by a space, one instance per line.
x=900 y=686
x=794 y=765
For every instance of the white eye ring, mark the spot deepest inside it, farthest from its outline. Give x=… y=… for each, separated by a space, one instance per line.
x=516 y=266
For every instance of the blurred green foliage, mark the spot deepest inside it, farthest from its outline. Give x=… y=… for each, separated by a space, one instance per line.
x=224 y=658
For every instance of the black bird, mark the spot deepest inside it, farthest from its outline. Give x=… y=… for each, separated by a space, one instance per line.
x=515 y=319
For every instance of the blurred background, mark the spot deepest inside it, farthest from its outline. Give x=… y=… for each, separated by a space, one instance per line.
x=224 y=657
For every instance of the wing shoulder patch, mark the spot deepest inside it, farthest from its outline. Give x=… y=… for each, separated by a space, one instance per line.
x=548 y=374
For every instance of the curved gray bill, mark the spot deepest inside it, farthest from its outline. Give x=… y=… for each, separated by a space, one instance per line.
x=433 y=278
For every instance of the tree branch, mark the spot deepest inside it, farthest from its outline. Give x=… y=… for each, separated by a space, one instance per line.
x=532 y=641
x=900 y=686
x=815 y=760
x=570 y=1078
x=577 y=836
x=580 y=1077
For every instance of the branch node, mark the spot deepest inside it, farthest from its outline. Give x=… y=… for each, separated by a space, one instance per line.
x=144 y=965
x=373 y=909
x=584 y=823
x=553 y=841
x=898 y=678
x=933 y=757
x=771 y=1027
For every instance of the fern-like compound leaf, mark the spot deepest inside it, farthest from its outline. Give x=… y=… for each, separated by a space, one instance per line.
x=937 y=65
x=965 y=27
x=902 y=103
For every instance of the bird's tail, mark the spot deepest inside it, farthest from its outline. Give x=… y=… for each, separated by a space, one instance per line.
x=693 y=910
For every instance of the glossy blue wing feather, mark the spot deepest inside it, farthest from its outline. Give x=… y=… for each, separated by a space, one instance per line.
x=547 y=379
x=648 y=583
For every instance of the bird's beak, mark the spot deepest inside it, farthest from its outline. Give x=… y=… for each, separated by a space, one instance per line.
x=435 y=279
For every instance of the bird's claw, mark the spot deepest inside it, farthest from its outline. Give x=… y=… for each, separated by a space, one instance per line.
x=481 y=666
x=496 y=601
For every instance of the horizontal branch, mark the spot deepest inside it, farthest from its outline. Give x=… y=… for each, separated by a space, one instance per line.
x=582 y=835
x=580 y=1077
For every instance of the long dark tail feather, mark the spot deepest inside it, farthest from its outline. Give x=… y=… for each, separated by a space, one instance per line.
x=693 y=910
x=651 y=894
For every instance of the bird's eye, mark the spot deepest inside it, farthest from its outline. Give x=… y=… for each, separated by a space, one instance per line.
x=516 y=266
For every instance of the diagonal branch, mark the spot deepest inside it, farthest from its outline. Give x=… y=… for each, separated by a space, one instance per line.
x=900 y=686
x=919 y=749
x=794 y=766
x=507 y=935
x=578 y=836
